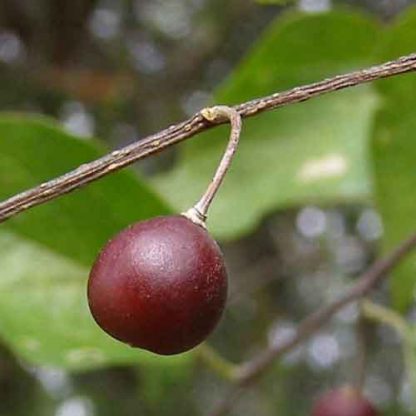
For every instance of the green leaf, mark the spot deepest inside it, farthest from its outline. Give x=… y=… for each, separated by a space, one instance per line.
x=44 y=314
x=77 y=225
x=165 y=391
x=314 y=151
x=394 y=155
x=394 y=150
x=45 y=253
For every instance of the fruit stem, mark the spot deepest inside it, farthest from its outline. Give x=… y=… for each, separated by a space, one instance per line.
x=198 y=213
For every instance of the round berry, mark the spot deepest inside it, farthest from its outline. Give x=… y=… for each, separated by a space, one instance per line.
x=160 y=285
x=345 y=401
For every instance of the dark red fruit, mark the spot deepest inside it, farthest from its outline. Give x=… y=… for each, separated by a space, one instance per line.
x=345 y=401
x=159 y=284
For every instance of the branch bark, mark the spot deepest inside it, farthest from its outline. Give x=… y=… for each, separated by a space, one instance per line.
x=248 y=372
x=118 y=159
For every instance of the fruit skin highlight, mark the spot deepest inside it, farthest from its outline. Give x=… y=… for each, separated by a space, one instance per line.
x=344 y=401
x=160 y=285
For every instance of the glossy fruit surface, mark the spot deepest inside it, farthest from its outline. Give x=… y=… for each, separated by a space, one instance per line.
x=160 y=285
x=345 y=401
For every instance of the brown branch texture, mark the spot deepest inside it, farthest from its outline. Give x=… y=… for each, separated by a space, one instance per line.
x=88 y=172
x=118 y=159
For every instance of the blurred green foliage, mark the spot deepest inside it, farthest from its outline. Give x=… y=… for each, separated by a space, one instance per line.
x=394 y=150
x=350 y=148
x=315 y=151
x=47 y=251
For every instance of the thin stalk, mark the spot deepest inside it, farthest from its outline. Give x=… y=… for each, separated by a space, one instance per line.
x=198 y=213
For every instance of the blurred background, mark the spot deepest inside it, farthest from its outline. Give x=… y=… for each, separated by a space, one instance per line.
x=121 y=70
